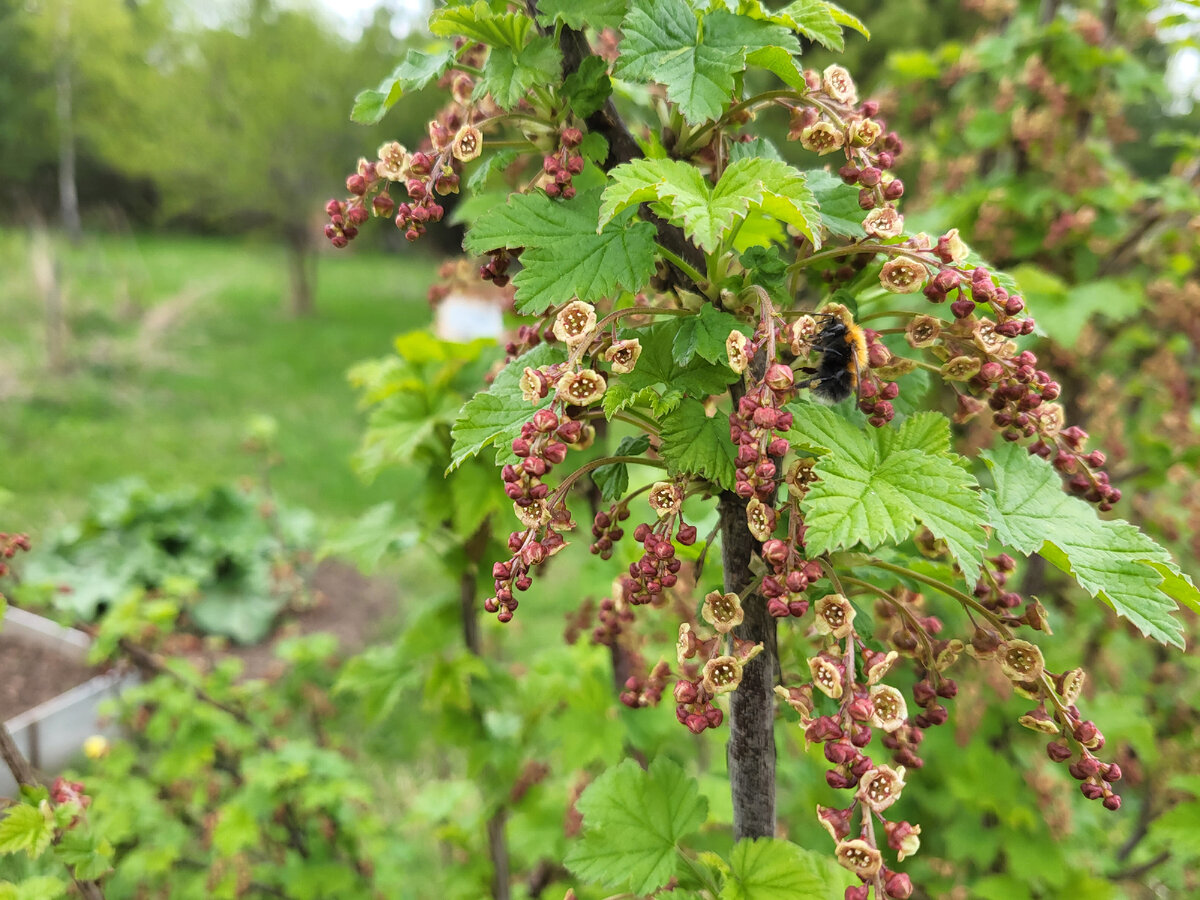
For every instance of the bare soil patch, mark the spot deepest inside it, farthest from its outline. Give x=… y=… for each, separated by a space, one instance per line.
x=31 y=674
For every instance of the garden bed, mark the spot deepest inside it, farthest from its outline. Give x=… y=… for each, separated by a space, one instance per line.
x=49 y=696
x=32 y=673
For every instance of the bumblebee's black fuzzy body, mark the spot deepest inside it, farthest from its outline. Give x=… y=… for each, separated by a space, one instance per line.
x=843 y=349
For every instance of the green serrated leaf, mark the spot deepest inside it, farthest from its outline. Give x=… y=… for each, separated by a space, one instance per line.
x=849 y=20
x=875 y=485
x=594 y=147
x=704 y=335
x=766 y=267
x=838 y=204
x=494 y=417
x=565 y=257
x=27 y=828
x=664 y=42
x=633 y=821
x=88 y=856
x=815 y=20
x=620 y=396
x=657 y=366
x=580 y=14
x=755 y=147
x=767 y=869
x=708 y=214
x=693 y=443
x=1109 y=558
x=588 y=87
x=479 y=22
x=509 y=74
x=416 y=71
x=497 y=162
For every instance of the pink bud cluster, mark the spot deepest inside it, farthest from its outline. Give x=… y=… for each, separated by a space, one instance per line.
x=717 y=667
x=428 y=175
x=758 y=426
x=10 y=546
x=1096 y=777
x=527 y=337
x=560 y=168
x=658 y=568
x=646 y=690
x=542 y=445
x=981 y=353
x=495 y=269
x=606 y=529
x=875 y=395
x=865 y=706
x=789 y=573
x=614 y=613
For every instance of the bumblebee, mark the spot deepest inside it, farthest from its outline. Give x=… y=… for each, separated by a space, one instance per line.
x=843 y=349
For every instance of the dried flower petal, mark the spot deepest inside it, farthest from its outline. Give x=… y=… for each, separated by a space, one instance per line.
x=582 y=388
x=533 y=385
x=880 y=787
x=835 y=821
x=760 y=518
x=822 y=138
x=722 y=674
x=624 y=355
x=839 y=85
x=393 y=159
x=922 y=331
x=735 y=349
x=535 y=515
x=575 y=323
x=859 y=857
x=665 y=498
x=827 y=676
x=835 y=615
x=903 y=275
x=722 y=611
x=904 y=838
x=884 y=222
x=891 y=711
x=1021 y=660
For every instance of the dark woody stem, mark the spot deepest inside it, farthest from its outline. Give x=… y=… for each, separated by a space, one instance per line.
x=752 y=706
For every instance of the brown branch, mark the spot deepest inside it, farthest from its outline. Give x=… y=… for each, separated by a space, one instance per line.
x=752 y=706
x=623 y=148
x=1141 y=869
x=22 y=771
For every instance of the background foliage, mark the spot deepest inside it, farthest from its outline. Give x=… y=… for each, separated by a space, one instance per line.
x=450 y=758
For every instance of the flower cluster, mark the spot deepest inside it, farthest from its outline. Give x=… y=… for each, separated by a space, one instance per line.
x=710 y=666
x=606 y=529
x=646 y=690
x=10 y=546
x=559 y=168
x=757 y=427
x=541 y=445
x=658 y=568
x=863 y=707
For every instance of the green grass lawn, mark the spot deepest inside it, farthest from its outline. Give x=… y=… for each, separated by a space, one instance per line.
x=175 y=344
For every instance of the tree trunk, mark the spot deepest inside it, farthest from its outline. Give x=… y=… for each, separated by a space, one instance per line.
x=68 y=195
x=751 y=750
x=302 y=272
x=45 y=279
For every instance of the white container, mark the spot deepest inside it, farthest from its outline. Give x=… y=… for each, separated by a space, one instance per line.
x=52 y=733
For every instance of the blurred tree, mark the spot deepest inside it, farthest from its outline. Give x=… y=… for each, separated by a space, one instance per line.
x=70 y=68
x=243 y=126
x=25 y=102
